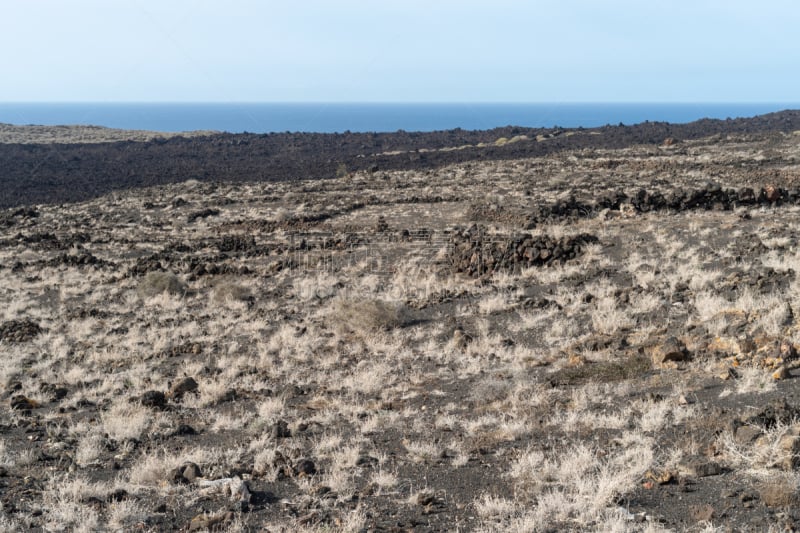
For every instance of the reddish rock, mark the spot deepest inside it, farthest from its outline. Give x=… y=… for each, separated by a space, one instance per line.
x=772 y=193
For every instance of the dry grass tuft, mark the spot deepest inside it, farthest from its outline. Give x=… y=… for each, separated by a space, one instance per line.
x=230 y=292
x=155 y=283
x=780 y=492
x=366 y=316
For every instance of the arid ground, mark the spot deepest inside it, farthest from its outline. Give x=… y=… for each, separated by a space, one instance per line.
x=595 y=338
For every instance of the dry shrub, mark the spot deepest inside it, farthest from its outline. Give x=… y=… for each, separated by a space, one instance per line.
x=155 y=283
x=632 y=367
x=368 y=315
x=780 y=492
x=231 y=292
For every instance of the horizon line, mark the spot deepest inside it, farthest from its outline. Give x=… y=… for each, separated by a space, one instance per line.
x=391 y=102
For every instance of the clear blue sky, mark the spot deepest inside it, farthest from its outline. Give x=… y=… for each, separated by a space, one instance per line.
x=400 y=50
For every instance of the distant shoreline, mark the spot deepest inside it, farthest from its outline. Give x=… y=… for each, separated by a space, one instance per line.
x=173 y=118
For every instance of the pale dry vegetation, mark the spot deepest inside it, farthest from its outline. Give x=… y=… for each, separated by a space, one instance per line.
x=353 y=379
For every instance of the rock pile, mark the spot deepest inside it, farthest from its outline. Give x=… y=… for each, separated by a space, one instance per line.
x=476 y=254
x=198 y=267
x=711 y=196
x=204 y=213
x=9 y=218
x=83 y=258
x=237 y=243
x=19 y=330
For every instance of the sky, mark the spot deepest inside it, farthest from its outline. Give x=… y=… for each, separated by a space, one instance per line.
x=399 y=51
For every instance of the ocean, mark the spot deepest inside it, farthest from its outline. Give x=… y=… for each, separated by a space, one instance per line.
x=330 y=118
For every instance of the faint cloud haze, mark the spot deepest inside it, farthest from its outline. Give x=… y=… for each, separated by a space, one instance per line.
x=400 y=51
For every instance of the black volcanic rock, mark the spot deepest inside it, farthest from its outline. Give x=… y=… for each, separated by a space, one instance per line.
x=58 y=173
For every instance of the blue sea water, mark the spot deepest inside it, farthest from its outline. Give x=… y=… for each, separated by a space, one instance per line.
x=329 y=118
